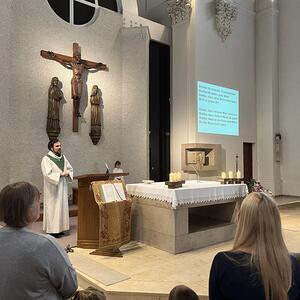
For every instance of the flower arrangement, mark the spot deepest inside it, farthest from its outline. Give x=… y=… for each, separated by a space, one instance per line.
x=255 y=186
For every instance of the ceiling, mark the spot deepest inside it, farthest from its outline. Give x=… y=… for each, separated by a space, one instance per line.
x=155 y=10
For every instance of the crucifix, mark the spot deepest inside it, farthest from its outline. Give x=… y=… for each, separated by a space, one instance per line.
x=78 y=66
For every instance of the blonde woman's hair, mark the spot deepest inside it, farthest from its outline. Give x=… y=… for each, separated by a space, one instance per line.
x=259 y=229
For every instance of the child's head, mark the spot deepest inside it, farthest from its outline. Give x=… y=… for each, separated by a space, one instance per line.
x=182 y=292
x=117 y=164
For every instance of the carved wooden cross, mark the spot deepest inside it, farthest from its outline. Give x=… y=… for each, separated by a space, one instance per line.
x=78 y=66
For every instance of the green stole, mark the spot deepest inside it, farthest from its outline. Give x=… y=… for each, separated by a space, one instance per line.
x=59 y=162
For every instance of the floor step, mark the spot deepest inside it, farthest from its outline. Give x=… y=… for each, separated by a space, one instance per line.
x=285 y=202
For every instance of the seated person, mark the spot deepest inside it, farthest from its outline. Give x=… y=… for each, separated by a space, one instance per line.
x=182 y=292
x=117 y=169
x=32 y=266
x=89 y=294
x=297 y=256
x=259 y=266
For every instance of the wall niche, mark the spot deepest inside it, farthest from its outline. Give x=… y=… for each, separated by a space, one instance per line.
x=202 y=157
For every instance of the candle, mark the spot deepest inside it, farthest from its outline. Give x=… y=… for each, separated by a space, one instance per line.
x=171 y=177
x=179 y=176
x=175 y=176
x=238 y=174
x=230 y=174
x=223 y=175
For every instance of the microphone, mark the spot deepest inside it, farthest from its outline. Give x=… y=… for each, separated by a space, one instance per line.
x=107 y=168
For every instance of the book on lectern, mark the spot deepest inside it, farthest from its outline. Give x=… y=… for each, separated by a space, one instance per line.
x=113 y=192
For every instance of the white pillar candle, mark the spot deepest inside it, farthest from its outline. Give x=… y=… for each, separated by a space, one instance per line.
x=230 y=174
x=171 y=177
x=179 y=176
x=223 y=175
x=238 y=174
x=175 y=176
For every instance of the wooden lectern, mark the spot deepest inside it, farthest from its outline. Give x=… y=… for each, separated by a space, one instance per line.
x=88 y=210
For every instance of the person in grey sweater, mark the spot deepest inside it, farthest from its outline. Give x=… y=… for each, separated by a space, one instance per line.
x=33 y=266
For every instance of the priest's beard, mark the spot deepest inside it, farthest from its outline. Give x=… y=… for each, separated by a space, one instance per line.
x=57 y=153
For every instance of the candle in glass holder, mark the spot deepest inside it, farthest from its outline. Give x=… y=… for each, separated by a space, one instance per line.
x=238 y=174
x=223 y=175
x=230 y=174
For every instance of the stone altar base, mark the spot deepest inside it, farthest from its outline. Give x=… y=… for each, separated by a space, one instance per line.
x=186 y=228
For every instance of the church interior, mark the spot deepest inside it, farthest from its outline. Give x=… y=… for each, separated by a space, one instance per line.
x=195 y=98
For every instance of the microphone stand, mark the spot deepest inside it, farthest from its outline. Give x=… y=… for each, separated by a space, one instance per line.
x=198 y=175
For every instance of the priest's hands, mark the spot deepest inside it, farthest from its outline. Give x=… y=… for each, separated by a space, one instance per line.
x=64 y=174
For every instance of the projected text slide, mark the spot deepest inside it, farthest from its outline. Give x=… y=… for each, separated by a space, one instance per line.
x=218 y=109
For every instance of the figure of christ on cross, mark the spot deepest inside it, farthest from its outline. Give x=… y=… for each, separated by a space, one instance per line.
x=78 y=66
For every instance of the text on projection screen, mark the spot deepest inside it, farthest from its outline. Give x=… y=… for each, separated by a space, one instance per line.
x=218 y=109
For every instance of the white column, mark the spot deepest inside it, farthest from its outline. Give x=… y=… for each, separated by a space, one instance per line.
x=180 y=12
x=179 y=95
x=267 y=93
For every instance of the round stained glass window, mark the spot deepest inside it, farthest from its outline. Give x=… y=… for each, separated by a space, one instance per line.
x=80 y=12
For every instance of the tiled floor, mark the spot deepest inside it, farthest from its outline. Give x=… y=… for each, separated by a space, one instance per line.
x=152 y=270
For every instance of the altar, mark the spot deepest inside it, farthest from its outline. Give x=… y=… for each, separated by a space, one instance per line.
x=178 y=220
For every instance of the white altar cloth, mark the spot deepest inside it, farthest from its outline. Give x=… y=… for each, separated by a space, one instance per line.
x=191 y=192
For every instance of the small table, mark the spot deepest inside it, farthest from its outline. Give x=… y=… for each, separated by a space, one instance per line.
x=178 y=220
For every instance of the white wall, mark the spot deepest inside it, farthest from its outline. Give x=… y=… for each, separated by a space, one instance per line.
x=135 y=112
x=130 y=6
x=199 y=54
x=28 y=79
x=289 y=91
x=5 y=135
x=158 y=32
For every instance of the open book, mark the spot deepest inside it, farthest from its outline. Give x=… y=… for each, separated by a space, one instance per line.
x=113 y=192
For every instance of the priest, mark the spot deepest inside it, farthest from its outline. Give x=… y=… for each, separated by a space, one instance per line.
x=57 y=172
